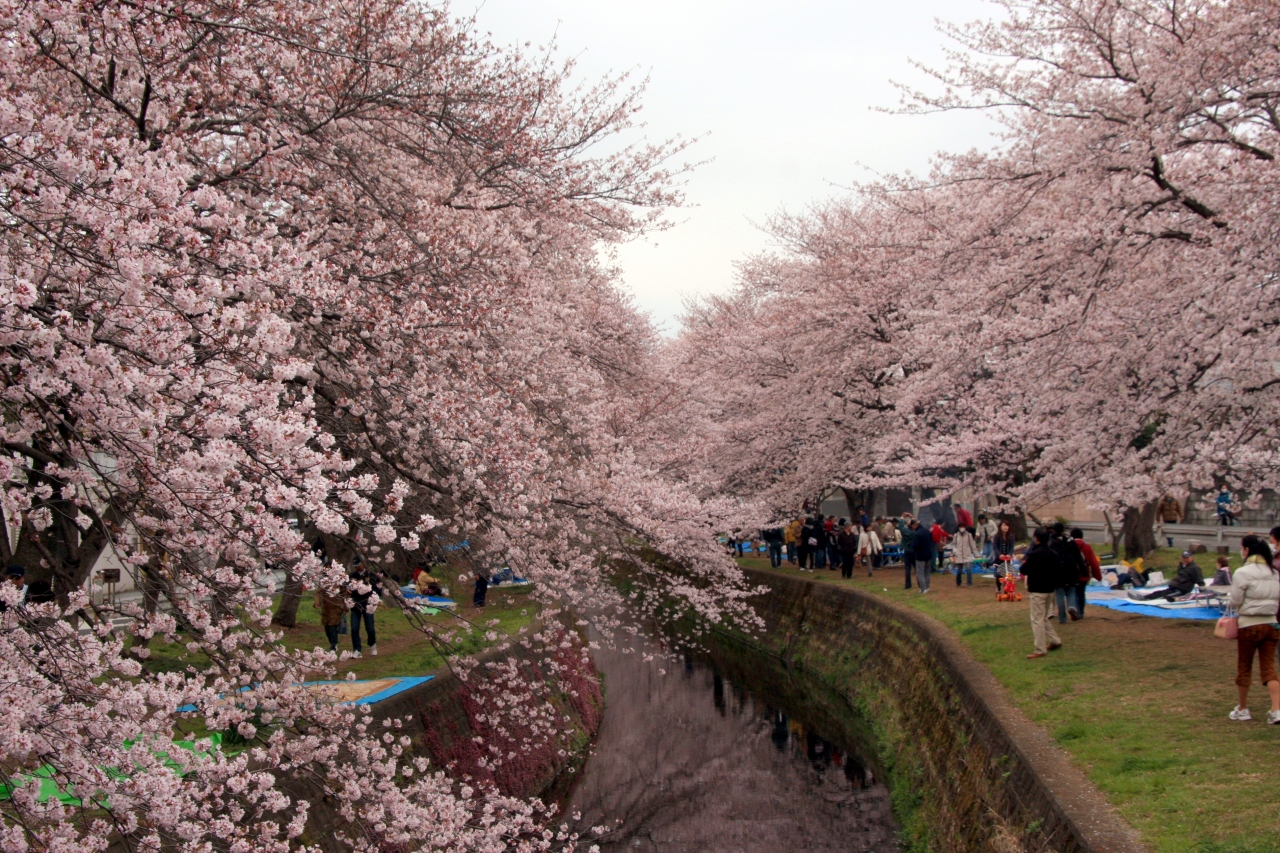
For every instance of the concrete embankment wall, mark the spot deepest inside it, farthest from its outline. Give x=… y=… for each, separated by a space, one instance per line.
x=968 y=771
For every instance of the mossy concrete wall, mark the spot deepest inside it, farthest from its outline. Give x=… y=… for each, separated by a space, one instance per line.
x=968 y=771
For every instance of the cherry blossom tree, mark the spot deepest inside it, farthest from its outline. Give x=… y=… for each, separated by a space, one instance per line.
x=323 y=261
x=1087 y=310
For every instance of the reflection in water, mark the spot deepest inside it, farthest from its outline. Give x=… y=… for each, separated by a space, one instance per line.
x=689 y=761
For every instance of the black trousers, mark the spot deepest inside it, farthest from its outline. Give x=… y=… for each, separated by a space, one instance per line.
x=847 y=559
x=910 y=563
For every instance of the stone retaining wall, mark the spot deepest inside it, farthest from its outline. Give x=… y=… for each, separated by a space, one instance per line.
x=968 y=771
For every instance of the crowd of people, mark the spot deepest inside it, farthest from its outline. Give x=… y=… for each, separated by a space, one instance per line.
x=1056 y=566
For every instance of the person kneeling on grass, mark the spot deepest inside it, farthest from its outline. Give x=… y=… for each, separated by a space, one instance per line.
x=1255 y=594
x=1188 y=578
x=1043 y=570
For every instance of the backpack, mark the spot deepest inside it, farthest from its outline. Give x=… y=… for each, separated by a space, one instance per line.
x=1073 y=565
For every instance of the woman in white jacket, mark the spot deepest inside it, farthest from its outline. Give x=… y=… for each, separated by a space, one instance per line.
x=868 y=547
x=1255 y=594
x=964 y=550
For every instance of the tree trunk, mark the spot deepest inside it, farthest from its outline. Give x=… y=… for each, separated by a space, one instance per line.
x=1113 y=535
x=286 y=614
x=1138 y=530
x=1017 y=525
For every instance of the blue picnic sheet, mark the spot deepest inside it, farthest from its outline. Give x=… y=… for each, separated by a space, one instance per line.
x=1120 y=601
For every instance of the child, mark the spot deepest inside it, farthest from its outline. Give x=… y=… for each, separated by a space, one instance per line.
x=1222 y=577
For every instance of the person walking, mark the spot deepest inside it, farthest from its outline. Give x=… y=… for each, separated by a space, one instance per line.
x=332 y=608
x=1091 y=561
x=847 y=545
x=964 y=550
x=1073 y=568
x=362 y=585
x=1255 y=594
x=922 y=554
x=807 y=541
x=1044 y=572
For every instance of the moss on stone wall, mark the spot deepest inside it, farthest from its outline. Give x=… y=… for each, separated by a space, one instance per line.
x=967 y=772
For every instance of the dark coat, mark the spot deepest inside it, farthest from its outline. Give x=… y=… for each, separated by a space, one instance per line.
x=1042 y=568
x=1188 y=578
x=922 y=543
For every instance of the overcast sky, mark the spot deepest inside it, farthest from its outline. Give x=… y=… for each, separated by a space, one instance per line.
x=782 y=94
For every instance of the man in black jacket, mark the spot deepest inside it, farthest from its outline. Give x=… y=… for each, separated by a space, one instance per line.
x=361 y=586
x=922 y=550
x=1073 y=568
x=1188 y=578
x=772 y=537
x=1044 y=574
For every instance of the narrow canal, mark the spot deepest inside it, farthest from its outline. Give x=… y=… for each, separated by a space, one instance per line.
x=699 y=754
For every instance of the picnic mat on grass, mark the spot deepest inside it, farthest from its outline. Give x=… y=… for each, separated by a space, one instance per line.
x=1119 y=600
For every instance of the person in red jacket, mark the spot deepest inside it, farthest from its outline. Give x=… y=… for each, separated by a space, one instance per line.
x=940 y=540
x=963 y=517
x=1091 y=561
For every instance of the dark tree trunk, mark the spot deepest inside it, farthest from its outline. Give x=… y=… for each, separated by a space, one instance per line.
x=1017 y=524
x=286 y=614
x=1138 y=530
x=1113 y=534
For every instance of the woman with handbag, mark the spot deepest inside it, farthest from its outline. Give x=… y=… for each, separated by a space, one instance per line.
x=1255 y=595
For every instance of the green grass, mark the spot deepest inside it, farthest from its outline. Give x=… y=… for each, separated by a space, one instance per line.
x=1140 y=705
x=402 y=648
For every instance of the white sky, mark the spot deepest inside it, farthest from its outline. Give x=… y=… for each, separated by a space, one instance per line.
x=783 y=95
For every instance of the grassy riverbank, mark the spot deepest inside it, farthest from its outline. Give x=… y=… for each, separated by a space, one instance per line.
x=1140 y=704
x=402 y=648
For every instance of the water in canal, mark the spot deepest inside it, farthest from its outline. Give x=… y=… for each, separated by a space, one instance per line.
x=694 y=760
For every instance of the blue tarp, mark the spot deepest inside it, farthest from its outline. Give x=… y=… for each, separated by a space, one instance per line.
x=1128 y=605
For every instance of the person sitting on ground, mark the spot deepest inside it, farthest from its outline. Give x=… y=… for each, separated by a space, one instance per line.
x=1188 y=578
x=1044 y=573
x=1136 y=575
x=964 y=551
x=1222 y=577
x=425 y=584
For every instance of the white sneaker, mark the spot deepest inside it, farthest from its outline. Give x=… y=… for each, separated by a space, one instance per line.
x=355 y=654
x=1273 y=718
x=373 y=650
x=1241 y=714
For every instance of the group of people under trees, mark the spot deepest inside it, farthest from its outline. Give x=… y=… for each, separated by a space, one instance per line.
x=337 y=617
x=1057 y=566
